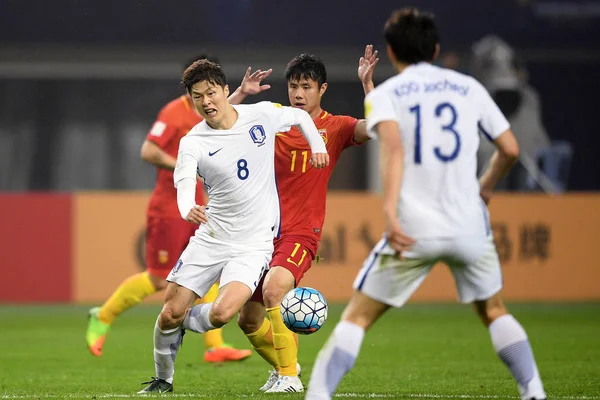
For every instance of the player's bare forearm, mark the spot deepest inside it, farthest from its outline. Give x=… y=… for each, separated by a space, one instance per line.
x=368 y=86
x=237 y=96
x=360 y=132
x=154 y=155
x=500 y=165
x=502 y=161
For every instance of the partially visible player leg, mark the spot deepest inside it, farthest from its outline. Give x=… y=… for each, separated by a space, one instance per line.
x=168 y=334
x=339 y=354
x=383 y=281
x=480 y=283
x=214 y=338
x=162 y=250
x=216 y=349
x=512 y=346
x=278 y=282
x=208 y=316
x=238 y=279
x=192 y=277
x=259 y=331
x=132 y=291
x=253 y=322
x=291 y=260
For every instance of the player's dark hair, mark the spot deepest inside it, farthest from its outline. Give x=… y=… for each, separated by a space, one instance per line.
x=203 y=70
x=200 y=56
x=412 y=35
x=306 y=66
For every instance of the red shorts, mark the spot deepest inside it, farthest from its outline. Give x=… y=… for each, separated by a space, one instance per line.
x=166 y=238
x=295 y=254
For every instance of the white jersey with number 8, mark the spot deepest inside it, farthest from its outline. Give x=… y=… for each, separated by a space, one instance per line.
x=237 y=166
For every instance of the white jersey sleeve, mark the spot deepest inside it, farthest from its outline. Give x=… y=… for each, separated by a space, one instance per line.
x=378 y=107
x=492 y=123
x=185 y=175
x=283 y=118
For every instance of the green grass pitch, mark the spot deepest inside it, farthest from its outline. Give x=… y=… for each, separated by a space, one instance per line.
x=421 y=351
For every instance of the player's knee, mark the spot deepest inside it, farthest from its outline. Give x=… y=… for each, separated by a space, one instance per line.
x=276 y=287
x=171 y=317
x=220 y=315
x=273 y=294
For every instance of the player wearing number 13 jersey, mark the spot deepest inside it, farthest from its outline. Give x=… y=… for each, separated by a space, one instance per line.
x=302 y=191
x=428 y=122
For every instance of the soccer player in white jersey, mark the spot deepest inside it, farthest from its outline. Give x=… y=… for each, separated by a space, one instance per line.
x=233 y=151
x=427 y=120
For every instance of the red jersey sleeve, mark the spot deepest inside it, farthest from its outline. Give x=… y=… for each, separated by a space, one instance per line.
x=165 y=126
x=345 y=135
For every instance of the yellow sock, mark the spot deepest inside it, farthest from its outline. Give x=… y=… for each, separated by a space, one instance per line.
x=284 y=342
x=214 y=338
x=131 y=292
x=262 y=341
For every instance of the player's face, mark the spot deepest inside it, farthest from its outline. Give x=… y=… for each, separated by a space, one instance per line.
x=210 y=100
x=305 y=94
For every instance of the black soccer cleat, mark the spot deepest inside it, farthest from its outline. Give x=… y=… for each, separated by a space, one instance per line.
x=156 y=386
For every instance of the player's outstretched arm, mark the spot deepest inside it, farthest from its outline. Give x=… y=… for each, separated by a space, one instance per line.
x=251 y=84
x=366 y=67
x=507 y=153
x=392 y=169
x=185 y=178
x=319 y=158
x=156 y=156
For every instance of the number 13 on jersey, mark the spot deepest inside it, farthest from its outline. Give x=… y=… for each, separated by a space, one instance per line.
x=440 y=112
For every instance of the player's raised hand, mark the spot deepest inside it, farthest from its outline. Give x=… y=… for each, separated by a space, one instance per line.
x=366 y=64
x=251 y=82
x=319 y=160
x=197 y=215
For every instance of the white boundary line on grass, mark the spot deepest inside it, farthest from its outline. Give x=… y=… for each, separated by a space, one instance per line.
x=341 y=395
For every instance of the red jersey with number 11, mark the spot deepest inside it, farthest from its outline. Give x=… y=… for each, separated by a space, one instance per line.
x=302 y=188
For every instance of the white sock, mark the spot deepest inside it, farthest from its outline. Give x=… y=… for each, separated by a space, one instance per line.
x=511 y=343
x=166 y=345
x=335 y=360
x=197 y=319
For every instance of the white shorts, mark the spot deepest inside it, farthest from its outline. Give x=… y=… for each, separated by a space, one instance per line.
x=207 y=260
x=473 y=262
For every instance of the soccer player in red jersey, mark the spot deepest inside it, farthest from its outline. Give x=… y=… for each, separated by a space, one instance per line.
x=166 y=233
x=302 y=191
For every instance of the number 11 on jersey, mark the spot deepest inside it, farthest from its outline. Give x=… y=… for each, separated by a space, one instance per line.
x=304 y=160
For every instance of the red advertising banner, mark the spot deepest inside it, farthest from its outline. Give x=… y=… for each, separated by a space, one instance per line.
x=35 y=238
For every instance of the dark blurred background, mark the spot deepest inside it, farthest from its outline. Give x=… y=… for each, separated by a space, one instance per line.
x=81 y=81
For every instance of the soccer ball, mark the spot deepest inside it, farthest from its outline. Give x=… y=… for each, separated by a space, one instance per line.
x=304 y=310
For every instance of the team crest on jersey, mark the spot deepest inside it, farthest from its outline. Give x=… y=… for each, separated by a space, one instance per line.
x=323 y=133
x=257 y=133
x=163 y=256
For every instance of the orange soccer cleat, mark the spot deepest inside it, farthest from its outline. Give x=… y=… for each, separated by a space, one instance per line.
x=225 y=353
